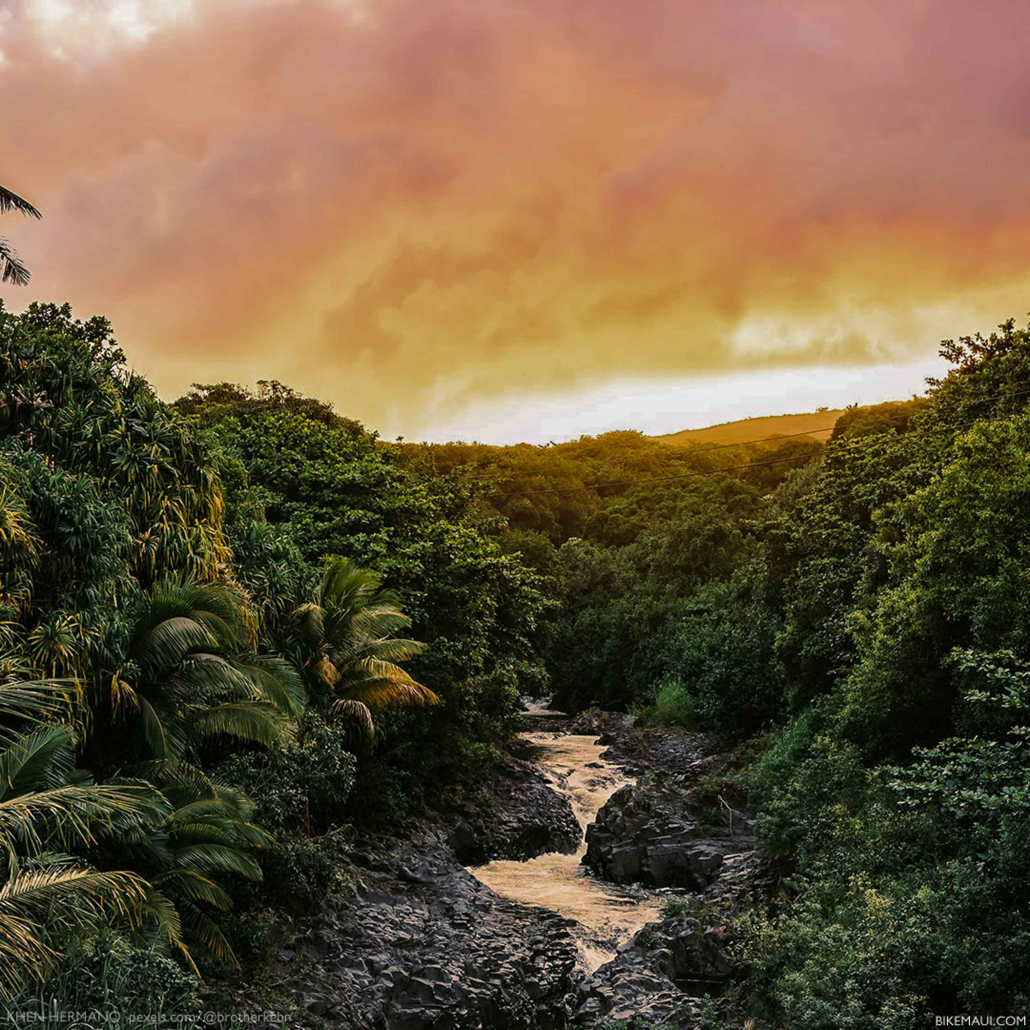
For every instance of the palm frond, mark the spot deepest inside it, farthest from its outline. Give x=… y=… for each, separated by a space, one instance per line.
x=237 y=798
x=206 y=808
x=393 y=650
x=344 y=583
x=389 y=691
x=164 y=735
x=62 y=895
x=350 y=625
x=34 y=701
x=32 y=760
x=182 y=783
x=257 y=721
x=379 y=620
x=356 y=714
x=24 y=954
x=222 y=858
x=326 y=671
x=123 y=695
x=208 y=934
x=160 y=909
x=11 y=268
x=195 y=886
x=310 y=621
x=275 y=680
x=10 y=201
x=251 y=834
x=162 y=924
x=35 y=904
x=165 y=645
x=221 y=609
x=213 y=674
x=73 y=814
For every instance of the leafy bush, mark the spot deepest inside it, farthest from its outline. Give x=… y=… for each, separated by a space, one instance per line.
x=672 y=706
x=108 y=973
x=675 y=907
x=301 y=785
x=303 y=873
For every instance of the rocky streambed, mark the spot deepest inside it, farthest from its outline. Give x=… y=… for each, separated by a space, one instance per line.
x=508 y=916
x=603 y=912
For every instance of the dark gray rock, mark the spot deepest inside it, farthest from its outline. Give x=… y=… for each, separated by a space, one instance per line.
x=657 y=752
x=426 y=945
x=518 y=815
x=664 y=974
x=660 y=835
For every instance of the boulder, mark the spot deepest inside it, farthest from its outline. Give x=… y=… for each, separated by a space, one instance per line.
x=518 y=815
x=662 y=837
x=423 y=944
x=665 y=973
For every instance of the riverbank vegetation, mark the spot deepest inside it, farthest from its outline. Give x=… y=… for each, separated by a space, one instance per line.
x=858 y=616
x=864 y=621
x=239 y=628
x=229 y=632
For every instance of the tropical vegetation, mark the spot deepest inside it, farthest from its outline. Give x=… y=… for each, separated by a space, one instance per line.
x=199 y=655
x=11 y=268
x=224 y=619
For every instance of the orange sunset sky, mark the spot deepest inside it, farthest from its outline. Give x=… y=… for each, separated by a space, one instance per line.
x=526 y=219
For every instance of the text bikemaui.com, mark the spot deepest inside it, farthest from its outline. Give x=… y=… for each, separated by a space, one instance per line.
x=980 y=1021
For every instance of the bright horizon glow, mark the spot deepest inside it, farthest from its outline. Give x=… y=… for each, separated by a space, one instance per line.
x=659 y=406
x=524 y=219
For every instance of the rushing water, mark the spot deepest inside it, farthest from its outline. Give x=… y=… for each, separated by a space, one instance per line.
x=606 y=914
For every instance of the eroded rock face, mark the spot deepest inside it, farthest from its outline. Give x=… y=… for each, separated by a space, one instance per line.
x=656 y=752
x=663 y=837
x=518 y=815
x=425 y=945
x=664 y=973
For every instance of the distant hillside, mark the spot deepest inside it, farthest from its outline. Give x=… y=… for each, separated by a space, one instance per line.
x=816 y=424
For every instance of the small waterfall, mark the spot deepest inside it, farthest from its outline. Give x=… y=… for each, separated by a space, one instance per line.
x=607 y=914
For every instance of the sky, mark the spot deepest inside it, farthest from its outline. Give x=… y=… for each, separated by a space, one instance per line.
x=526 y=219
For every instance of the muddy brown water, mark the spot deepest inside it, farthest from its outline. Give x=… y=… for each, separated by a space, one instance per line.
x=605 y=914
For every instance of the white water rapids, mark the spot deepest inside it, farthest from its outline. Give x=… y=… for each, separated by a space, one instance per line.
x=606 y=914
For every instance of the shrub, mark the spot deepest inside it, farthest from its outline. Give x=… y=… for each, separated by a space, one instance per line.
x=106 y=973
x=300 y=786
x=675 y=907
x=673 y=706
x=302 y=873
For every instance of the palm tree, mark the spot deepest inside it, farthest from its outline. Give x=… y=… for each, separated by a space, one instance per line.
x=190 y=675
x=11 y=269
x=207 y=834
x=46 y=808
x=347 y=630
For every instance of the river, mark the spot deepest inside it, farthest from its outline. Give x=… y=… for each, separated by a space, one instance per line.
x=605 y=914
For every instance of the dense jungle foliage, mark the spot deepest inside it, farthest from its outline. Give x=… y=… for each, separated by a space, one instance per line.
x=236 y=628
x=862 y=621
x=228 y=633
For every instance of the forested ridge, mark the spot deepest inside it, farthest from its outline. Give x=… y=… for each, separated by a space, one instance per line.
x=238 y=629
